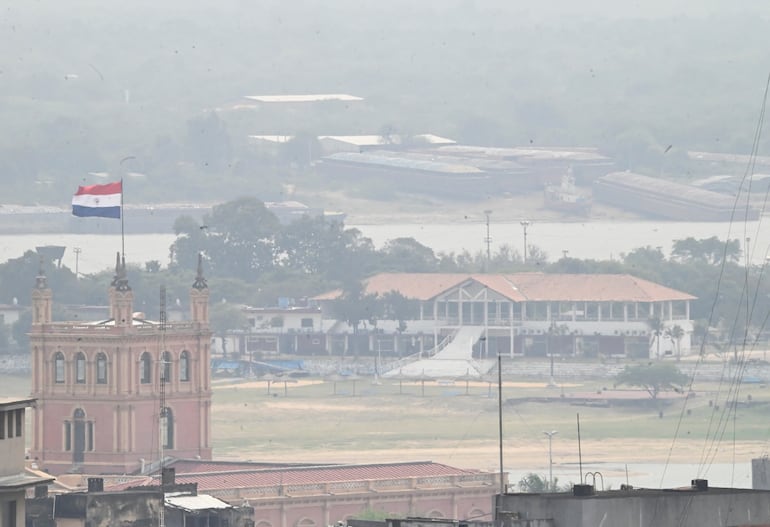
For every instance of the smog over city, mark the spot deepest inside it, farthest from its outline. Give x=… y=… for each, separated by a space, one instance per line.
x=422 y=253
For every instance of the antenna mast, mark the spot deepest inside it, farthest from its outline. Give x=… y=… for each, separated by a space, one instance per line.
x=162 y=414
x=500 y=417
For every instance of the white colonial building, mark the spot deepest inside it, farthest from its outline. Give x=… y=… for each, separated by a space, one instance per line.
x=540 y=314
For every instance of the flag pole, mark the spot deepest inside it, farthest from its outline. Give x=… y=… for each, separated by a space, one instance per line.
x=122 y=225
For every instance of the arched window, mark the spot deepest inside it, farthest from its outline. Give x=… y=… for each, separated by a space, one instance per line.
x=145 y=368
x=101 y=368
x=165 y=367
x=167 y=427
x=184 y=366
x=80 y=368
x=58 y=367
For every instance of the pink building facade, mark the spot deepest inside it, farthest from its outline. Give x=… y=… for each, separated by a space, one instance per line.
x=116 y=394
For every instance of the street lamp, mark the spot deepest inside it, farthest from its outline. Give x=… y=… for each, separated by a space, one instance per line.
x=488 y=240
x=550 y=458
x=77 y=251
x=524 y=225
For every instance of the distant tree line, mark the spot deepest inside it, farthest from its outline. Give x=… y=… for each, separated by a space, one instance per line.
x=251 y=258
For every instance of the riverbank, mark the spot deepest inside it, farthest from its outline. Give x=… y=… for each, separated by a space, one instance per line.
x=424 y=210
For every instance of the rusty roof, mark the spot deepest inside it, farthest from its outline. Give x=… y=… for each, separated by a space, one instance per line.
x=522 y=287
x=228 y=478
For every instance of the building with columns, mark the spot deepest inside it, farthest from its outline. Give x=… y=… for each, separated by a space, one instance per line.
x=539 y=314
x=116 y=394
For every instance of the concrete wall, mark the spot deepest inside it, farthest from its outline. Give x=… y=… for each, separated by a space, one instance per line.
x=686 y=508
x=12 y=448
x=8 y=501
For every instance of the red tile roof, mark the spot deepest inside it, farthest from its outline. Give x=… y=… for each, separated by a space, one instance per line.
x=594 y=288
x=521 y=287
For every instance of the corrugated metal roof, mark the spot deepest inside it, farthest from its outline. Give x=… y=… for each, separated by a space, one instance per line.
x=201 y=502
x=681 y=191
x=21 y=480
x=315 y=97
x=13 y=403
x=402 y=162
x=574 y=154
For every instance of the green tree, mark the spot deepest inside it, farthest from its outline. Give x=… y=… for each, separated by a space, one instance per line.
x=654 y=377
x=407 y=255
x=397 y=307
x=191 y=239
x=676 y=334
x=709 y=250
x=225 y=317
x=240 y=237
x=533 y=483
x=657 y=327
x=356 y=306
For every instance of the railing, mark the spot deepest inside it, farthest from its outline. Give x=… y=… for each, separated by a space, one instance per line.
x=64 y=328
x=400 y=363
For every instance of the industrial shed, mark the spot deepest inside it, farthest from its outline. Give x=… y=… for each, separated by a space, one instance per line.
x=658 y=198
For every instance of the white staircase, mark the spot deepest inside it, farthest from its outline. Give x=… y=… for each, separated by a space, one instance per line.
x=454 y=360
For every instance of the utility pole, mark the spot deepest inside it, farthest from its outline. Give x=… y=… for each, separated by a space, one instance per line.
x=524 y=225
x=77 y=251
x=488 y=240
x=550 y=458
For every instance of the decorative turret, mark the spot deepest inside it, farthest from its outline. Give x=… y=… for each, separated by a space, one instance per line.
x=121 y=296
x=199 y=296
x=42 y=298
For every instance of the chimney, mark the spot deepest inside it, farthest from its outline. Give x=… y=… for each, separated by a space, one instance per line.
x=168 y=476
x=95 y=485
x=582 y=490
x=700 y=484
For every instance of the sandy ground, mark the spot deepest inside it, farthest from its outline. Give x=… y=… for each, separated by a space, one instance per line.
x=472 y=452
x=422 y=209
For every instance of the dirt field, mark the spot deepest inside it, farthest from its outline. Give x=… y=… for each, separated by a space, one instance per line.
x=307 y=422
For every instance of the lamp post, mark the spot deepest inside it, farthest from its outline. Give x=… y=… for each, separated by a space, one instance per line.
x=488 y=239
x=77 y=251
x=550 y=458
x=524 y=225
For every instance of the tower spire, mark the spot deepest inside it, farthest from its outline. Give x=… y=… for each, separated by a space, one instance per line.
x=41 y=282
x=200 y=281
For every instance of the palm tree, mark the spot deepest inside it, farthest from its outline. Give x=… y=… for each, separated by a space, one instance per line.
x=656 y=330
x=676 y=334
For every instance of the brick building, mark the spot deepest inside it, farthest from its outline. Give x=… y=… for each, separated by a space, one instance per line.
x=113 y=394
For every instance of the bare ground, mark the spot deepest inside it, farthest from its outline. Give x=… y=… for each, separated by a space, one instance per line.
x=458 y=431
x=423 y=209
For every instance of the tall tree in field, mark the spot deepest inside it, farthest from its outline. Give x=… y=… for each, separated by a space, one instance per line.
x=654 y=377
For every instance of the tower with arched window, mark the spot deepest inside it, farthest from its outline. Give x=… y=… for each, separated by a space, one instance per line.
x=98 y=384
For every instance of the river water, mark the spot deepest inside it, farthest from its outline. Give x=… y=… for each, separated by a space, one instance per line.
x=594 y=240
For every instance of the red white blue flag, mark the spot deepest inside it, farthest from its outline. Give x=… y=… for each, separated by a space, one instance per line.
x=103 y=201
